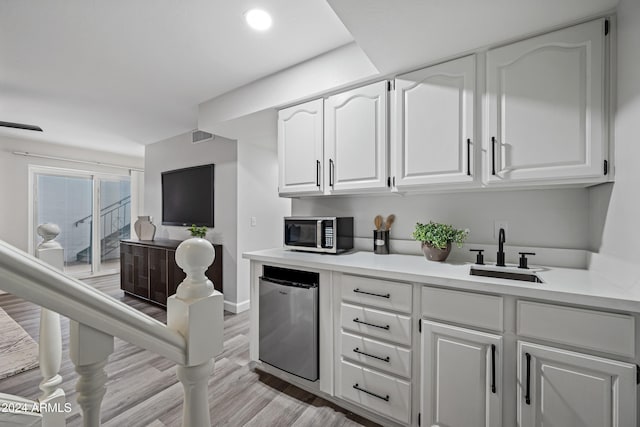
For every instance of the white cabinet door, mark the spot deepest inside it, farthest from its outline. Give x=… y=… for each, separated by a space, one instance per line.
x=300 y=133
x=563 y=388
x=546 y=108
x=356 y=139
x=461 y=377
x=434 y=125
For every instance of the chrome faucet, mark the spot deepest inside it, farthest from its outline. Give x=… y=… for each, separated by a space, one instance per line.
x=501 y=240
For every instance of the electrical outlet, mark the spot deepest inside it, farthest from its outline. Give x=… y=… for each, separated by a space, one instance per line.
x=498 y=224
x=254 y=221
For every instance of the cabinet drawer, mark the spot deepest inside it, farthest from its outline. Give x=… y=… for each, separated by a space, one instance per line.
x=380 y=393
x=389 y=326
x=378 y=293
x=467 y=308
x=390 y=358
x=594 y=330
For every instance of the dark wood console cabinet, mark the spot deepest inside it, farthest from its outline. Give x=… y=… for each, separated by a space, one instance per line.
x=148 y=270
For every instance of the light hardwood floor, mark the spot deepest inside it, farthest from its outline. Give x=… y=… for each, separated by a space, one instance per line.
x=143 y=389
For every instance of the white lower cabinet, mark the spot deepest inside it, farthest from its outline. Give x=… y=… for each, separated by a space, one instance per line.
x=375 y=391
x=376 y=323
x=386 y=357
x=461 y=377
x=563 y=388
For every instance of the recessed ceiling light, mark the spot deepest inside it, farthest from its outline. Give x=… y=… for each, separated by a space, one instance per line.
x=258 y=19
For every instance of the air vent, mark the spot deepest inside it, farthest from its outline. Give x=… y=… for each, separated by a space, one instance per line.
x=198 y=136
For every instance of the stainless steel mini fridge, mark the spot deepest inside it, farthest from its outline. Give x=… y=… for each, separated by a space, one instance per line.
x=288 y=319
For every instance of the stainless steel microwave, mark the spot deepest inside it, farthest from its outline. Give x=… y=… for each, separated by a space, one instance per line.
x=318 y=234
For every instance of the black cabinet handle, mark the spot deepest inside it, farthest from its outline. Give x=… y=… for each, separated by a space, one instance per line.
x=469 y=156
x=331 y=167
x=385 y=398
x=358 y=291
x=527 y=396
x=371 y=324
x=317 y=173
x=384 y=359
x=493 y=368
x=493 y=155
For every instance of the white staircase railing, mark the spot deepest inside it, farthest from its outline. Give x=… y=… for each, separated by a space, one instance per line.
x=52 y=400
x=192 y=337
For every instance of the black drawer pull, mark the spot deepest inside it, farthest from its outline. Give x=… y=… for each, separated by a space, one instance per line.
x=371 y=324
x=493 y=368
x=384 y=359
x=358 y=291
x=385 y=398
x=527 y=396
x=317 y=173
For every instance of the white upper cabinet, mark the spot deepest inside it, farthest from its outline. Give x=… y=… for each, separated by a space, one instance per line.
x=563 y=388
x=546 y=108
x=300 y=139
x=544 y=115
x=433 y=136
x=356 y=140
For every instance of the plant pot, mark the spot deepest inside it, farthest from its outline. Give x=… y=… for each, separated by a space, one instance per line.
x=435 y=254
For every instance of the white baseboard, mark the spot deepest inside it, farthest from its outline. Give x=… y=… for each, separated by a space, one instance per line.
x=236 y=307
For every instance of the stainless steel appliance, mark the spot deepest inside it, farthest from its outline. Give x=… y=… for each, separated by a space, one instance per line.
x=319 y=234
x=288 y=319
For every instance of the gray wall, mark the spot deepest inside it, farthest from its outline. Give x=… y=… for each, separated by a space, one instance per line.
x=616 y=207
x=545 y=218
x=14 y=177
x=178 y=152
x=257 y=190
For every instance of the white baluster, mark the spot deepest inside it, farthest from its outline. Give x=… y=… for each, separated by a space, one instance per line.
x=53 y=397
x=196 y=311
x=89 y=350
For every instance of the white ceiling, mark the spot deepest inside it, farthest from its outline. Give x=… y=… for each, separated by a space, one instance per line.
x=117 y=74
x=114 y=74
x=403 y=34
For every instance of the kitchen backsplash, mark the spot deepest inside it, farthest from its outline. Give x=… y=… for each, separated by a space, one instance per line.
x=555 y=218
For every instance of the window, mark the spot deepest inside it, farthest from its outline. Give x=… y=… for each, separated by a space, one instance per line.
x=92 y=210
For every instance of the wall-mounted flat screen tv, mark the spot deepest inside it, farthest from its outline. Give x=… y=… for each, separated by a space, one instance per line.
x=187 y=196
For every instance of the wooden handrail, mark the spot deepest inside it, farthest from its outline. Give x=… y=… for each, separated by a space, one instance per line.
x=33 y=280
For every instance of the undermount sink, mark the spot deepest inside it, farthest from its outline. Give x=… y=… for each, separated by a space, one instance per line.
x=523 y=276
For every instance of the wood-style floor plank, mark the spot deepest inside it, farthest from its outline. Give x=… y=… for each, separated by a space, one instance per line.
x=143 y=390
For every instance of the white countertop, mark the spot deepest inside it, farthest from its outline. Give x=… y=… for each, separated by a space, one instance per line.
x=573 y=286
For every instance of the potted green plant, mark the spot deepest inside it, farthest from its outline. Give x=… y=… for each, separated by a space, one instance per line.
x=196 y=231
x=436 y=239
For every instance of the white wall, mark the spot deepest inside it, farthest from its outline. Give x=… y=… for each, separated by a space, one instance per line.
x=14 y=178
x=544 y=218
x=178 y=152
x=257 y=189
x=616 y=208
